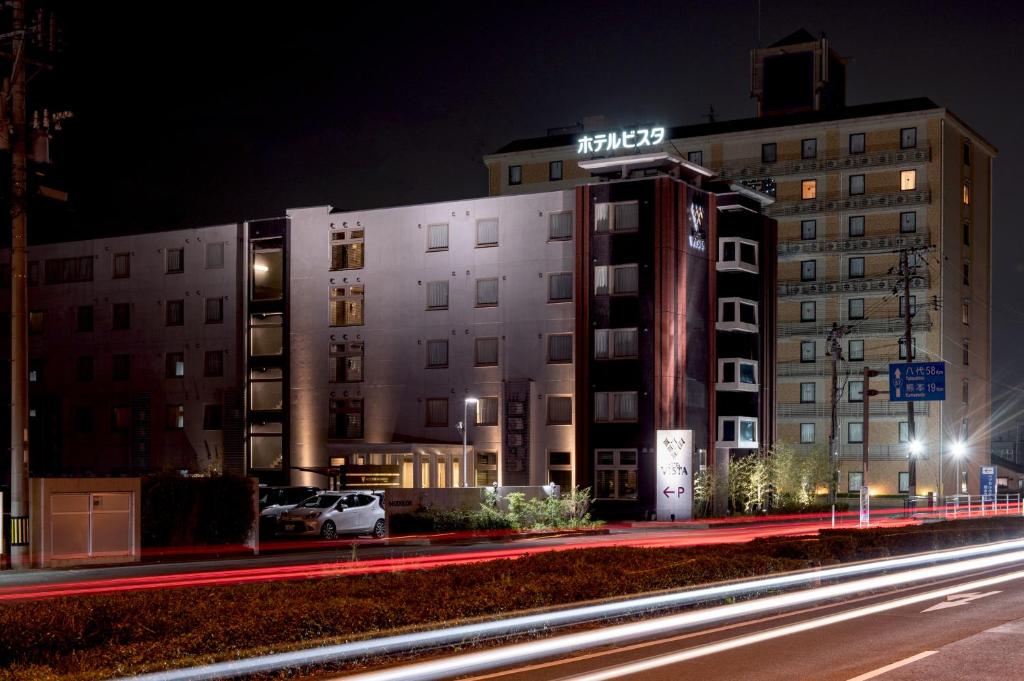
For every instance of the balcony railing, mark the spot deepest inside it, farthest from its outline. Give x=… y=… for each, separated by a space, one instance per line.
x=884 y=284
x=822 y=368
x=886 y=326
x=745 y=168
x=836 y=203
x=821 y=410
x=884 y=244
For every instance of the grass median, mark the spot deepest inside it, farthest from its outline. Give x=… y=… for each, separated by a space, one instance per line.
x=100 y=636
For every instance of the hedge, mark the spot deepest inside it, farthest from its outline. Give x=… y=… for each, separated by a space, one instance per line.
x=179 y=511
x=99 y=636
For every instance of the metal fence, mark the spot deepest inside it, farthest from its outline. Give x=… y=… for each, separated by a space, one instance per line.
x=970 y=505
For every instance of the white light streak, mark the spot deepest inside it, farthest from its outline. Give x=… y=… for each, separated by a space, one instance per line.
x=543 y=621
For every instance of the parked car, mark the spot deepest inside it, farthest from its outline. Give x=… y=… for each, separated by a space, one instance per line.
x=276 y=500
x=330 y=514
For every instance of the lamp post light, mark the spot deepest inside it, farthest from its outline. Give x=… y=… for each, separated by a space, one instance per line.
x=465 y=433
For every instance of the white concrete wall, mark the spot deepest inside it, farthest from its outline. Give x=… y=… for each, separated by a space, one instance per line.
x=398 y=325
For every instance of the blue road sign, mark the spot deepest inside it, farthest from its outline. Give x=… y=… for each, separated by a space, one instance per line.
x=988 y=483
x=917 y=381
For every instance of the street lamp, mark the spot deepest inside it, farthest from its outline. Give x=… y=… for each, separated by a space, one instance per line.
x=465 y=432
x=959 y=449
x=915 y=447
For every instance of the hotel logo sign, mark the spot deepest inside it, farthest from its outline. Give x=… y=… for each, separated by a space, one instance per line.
x=634 y=138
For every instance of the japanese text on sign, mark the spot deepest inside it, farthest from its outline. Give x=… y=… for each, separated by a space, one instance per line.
x=626 y=139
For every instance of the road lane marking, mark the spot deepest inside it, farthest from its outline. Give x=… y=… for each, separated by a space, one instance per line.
x=959 y=599
x=895 y=665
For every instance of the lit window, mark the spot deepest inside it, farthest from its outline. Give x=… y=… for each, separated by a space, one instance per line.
x=346 y=362
x=903 y=482
x=348 y=249
x=806 y=392
x=967 y=193
x=856 y=225
x=486 y=468
x=903 y=348
x=904 y=431
x=908 y=180
x=346 y=306
x=806 y=433
x=175 y=416
x=855 y=351
x=175 y=365
x=486 y=411
x=809 y=189
x=855 y=480
x=857 y=143
x=737 y=431
x=555 y=171
x=856 y=185
x=515 y=174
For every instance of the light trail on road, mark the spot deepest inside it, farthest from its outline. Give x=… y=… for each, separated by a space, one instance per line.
x=433 y=639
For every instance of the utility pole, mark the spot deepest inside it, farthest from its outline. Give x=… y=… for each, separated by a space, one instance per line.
x=908 y=344
x=868 y=393
x=20 y=553
x=834 y=351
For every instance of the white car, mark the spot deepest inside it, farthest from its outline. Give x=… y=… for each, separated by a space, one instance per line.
x=330 y=514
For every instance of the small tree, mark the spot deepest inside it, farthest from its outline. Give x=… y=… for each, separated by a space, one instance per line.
x=797 y=476
x=703 y=492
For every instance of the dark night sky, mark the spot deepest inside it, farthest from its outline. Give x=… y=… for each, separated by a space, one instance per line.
x=196 y=116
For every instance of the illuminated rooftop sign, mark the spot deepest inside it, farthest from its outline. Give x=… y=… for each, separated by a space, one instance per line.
x=627 y=139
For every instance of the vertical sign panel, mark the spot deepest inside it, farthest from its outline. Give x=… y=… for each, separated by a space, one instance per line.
x=988 y=484
x=675 y=483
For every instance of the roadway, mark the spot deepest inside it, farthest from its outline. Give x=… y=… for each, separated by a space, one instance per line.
x=362 y=556
x=974 y=633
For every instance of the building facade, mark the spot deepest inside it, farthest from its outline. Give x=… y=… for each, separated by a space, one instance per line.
x=855 y=187
x=557 y=332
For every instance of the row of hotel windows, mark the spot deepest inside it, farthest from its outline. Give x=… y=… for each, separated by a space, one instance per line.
x=855 y=350
x=855 y=226
x=121 y=420
x=908 y=182
x=515 y=173
x=854 y=432
x=121 y=316
x=856 y=145
x=80 y=268
x=348 y=246
x=854 y=267
x=121 y=366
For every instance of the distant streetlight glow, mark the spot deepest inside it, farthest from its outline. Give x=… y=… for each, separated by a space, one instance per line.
x=958 y=449
x=916 y=447
x=260 y=267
